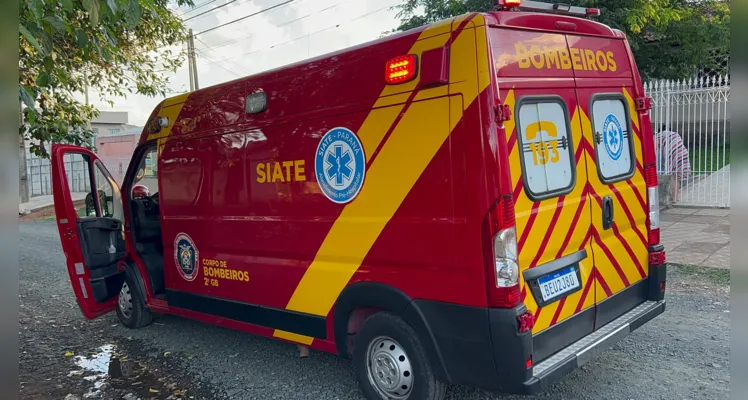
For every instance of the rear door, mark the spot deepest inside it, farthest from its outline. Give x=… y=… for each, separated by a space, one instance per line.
x=88 y=210
x=612 y=138
x=549 y=177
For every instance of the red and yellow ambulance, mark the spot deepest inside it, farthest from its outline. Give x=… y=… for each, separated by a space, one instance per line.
x=470 y=202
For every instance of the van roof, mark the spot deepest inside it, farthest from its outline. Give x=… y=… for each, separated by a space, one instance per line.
x=535 y=21
x=511 y=19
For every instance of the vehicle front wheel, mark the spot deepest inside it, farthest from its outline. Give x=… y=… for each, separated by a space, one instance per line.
x=131 y=310
x=390 y=362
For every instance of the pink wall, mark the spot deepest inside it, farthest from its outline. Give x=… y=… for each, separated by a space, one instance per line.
x=115 y=152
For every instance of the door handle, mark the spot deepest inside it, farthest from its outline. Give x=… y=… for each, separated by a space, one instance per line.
x=607 y=212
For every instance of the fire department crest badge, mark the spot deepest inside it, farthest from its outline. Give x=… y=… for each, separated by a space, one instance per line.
x=340 y=165
x=186 y=257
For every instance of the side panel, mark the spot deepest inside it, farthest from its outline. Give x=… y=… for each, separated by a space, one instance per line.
x=375 y=238
x=241 y=200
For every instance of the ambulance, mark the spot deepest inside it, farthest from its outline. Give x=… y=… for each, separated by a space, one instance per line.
x=472 y=202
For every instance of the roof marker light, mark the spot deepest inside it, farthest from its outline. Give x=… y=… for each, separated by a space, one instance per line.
x=401 y=69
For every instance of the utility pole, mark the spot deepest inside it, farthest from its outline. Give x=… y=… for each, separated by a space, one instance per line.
x=85 y=86
x=23 y=183
x=192 y=62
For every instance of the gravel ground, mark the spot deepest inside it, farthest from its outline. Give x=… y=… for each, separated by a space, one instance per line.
x=682 y=354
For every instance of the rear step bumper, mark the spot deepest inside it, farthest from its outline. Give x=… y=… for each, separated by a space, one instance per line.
x=591 y=346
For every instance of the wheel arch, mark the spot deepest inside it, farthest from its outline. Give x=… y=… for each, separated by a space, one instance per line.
x=372 y=295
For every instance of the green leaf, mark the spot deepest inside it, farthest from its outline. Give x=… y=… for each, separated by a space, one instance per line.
x=26 y=97
x=132 y=14
x=31 y=118
x=68 y=5
x=110 y=38
x=92 y=6
x=56 y=23
x=30 y=38
x=112 y=5
x=43 y=79
x=81 y=38
x=36 y=7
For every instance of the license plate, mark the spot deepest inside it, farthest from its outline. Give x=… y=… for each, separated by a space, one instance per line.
x=558 y=283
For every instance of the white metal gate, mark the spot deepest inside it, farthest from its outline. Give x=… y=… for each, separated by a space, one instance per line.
x=691 y=122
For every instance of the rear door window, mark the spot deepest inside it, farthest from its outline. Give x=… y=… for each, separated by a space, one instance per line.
x=547 y=155
x=613 y=149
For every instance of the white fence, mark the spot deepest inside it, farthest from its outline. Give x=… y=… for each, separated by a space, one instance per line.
x=691 y=123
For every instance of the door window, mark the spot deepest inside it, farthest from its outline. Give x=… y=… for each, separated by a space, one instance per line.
x=547 y=155
x=105 y=200
x=610 y=122
x=110 y=203
x=146 y=176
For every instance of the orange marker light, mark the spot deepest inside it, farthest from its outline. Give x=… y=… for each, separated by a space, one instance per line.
x=401 y=69
x=509 y=3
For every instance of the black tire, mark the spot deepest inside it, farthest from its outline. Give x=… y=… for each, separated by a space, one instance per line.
x=139 y=315
x=424 y=384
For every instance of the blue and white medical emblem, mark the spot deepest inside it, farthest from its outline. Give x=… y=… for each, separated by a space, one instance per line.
x=186 y=257
x=613 y=137
x=340 y=165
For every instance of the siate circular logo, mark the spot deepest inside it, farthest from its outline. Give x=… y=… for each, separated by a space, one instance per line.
x=613 y=137
x=340 y=165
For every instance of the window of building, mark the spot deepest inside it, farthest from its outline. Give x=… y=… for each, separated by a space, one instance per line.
x=613 y=147
x=547 y=152
x=112 y=131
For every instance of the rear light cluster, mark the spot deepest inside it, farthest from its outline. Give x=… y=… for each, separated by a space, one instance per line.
x=653 y=201
x=530 y=5
x=526 y=322
x=657 y=258
x=502 y=267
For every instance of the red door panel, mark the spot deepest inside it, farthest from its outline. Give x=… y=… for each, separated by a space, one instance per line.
x=91 y=233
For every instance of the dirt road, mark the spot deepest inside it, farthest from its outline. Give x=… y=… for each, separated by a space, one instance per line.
x=683 y=354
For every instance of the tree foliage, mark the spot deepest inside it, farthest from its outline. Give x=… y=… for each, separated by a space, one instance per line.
x=669 y=38
x=113 y=47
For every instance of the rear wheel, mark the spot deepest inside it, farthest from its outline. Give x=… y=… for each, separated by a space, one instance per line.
x=130 y=306
x=390 y=362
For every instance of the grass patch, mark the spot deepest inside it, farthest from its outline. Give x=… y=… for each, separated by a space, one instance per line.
x=705 y=160
x=714 y=275
x=50 y=216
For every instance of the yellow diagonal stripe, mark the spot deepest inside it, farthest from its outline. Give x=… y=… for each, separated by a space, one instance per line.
x=170 y=109
x=399 y=164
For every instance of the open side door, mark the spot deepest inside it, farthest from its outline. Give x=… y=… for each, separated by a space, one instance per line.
x=89 y=213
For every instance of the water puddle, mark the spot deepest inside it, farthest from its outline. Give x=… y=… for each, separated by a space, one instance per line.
x=107 y=370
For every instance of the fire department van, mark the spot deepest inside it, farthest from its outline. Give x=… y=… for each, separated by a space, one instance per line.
x=470 y=202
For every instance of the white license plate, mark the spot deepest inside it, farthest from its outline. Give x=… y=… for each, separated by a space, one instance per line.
x=558 y=283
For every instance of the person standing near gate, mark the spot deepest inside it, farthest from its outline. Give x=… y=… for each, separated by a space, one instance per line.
x=672 y=158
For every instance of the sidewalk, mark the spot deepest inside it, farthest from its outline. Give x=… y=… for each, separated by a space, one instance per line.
x=696 y=236
x=39 y=202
